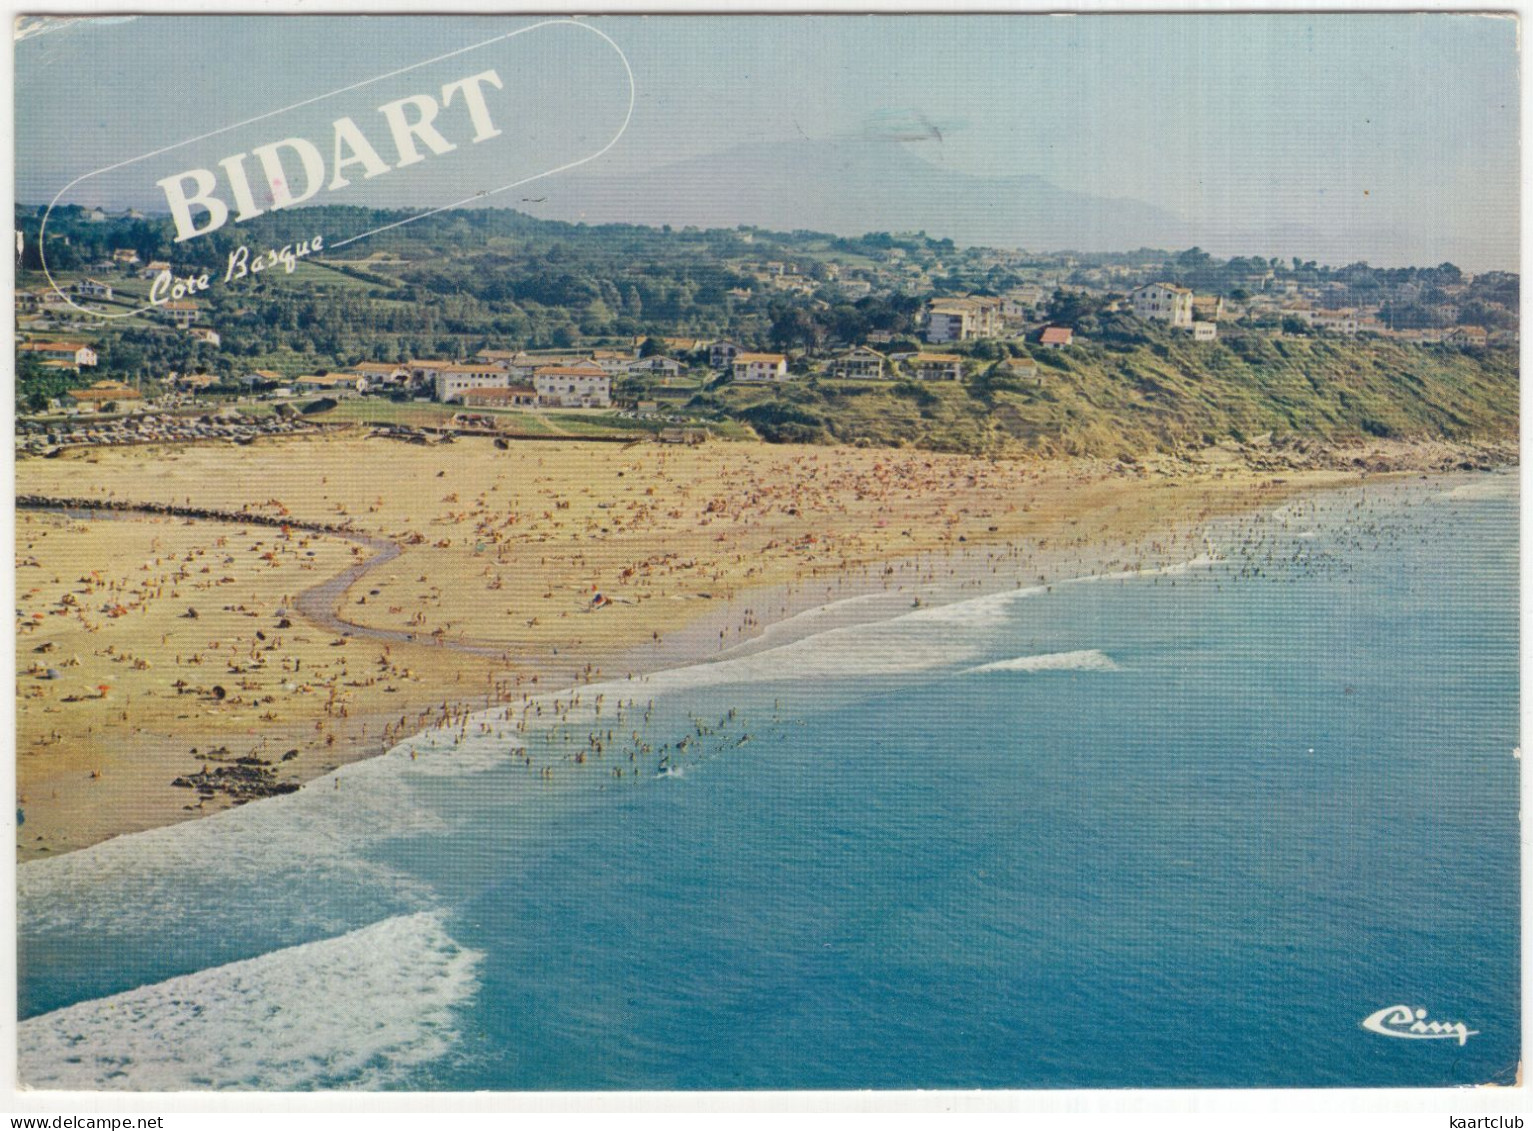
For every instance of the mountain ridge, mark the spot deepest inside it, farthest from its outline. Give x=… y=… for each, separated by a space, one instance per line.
x=826 y=185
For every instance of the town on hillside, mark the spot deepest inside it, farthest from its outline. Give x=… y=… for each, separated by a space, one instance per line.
x=637 y=331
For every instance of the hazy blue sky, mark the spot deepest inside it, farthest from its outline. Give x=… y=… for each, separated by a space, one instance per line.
x=1296 y=133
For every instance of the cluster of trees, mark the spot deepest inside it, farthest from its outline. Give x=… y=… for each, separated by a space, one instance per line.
x=450 y=284
x=37 y=383
x=795 y=325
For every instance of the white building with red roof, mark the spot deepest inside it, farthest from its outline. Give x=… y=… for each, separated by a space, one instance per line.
x=573 y=386
x=70 y=353
x=1163 y=302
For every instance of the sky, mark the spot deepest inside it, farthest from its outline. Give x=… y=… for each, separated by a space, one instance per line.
x=1389 y=137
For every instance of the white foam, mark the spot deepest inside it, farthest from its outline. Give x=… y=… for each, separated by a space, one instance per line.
x=883 y=648
x=1202 y=561
x=806 y=623
x=976 y=612
x=1088 y=660
x=1499 y=485
x=355 y=1011
x=287 y=847
x=981 y=611
x=901 y=645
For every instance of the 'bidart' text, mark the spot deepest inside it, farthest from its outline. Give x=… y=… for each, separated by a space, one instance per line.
x=412 y=124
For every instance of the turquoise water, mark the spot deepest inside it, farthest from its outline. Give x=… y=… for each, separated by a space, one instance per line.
x=1182 y=829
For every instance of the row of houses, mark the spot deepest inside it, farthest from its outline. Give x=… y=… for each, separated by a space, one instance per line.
x=863 y=363
x=79 y=355
x=974 y=317
x=492 y=379
x=583 y=383
x=183 y=313
x=103 y=393
x=1453 y=336
x=497 y=377
x=566 y=386
x=123 y=260
x=1180 y=308
x=1351 y=321
x=126 y=259
x=570 y=380
x=615 y=363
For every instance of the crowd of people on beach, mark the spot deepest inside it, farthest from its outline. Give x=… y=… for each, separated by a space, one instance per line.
x=479 y=579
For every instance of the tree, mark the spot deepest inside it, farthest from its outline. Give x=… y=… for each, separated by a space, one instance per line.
x=795 y=326
x=1478 y=313
x=1072 y=307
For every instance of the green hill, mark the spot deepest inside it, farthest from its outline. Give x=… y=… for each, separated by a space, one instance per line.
x=1167 y=394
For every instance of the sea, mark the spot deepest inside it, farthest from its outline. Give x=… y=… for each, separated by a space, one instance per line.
x=1201 y=825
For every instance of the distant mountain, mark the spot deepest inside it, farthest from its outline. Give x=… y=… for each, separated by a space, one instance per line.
x=853 y=186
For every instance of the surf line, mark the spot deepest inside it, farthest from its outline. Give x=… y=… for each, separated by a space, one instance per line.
x=319 y=603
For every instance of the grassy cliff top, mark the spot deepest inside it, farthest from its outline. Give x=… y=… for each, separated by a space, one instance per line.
x=1166 y=394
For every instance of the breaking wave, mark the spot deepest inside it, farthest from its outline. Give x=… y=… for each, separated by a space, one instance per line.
x=1088 y=660
x=356 y=1011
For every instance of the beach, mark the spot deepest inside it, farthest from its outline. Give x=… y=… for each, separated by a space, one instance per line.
x=334 y=595
x=1170 y=784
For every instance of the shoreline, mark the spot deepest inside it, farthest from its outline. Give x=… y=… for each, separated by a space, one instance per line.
x=1154 y=524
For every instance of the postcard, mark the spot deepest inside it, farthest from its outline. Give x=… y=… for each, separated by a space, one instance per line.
x=712 y=553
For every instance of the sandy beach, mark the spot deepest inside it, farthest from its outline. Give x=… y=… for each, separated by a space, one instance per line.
x=169 y=667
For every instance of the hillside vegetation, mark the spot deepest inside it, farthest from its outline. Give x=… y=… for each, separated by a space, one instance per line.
x=1158 y=396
